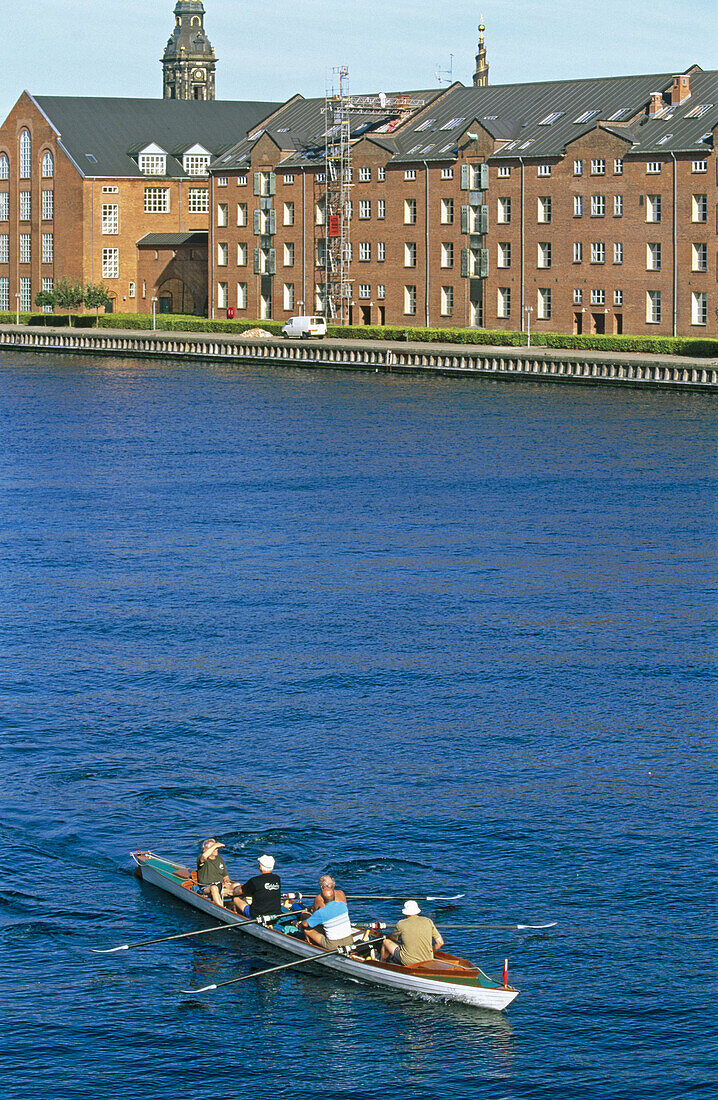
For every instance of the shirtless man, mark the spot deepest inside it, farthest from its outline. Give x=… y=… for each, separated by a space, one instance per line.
x=418 y=937
x=327 y=892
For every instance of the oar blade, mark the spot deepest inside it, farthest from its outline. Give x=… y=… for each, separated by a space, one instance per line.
x=532 y=927
x=110 y=950
x=202 y=989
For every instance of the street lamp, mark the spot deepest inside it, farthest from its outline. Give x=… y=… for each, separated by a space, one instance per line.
x=17 y=308
x=154 y=313
x=529 y=310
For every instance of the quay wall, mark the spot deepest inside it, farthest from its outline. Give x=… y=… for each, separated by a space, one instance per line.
x=534 y=364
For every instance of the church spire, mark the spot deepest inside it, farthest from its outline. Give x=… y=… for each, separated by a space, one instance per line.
x=481 y=76
x=189 y=62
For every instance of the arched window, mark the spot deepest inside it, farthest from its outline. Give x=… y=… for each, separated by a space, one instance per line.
x=48 y=164
x=25 y=155
x=4 y=167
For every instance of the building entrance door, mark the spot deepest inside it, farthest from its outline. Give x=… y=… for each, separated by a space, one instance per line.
x=599 y=323
x=365 y=315
x=578 y=323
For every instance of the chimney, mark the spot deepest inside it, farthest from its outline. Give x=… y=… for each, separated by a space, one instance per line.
x=681 y=88
x=656 y=103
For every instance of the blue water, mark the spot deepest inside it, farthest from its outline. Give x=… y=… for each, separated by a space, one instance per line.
x=436 y=636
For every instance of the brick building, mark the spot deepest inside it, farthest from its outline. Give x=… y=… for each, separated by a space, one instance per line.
x=83 y=180
x=583 y=205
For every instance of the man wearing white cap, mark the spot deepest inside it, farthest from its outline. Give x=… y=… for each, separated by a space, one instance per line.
x=417 y=935
x=261 y=896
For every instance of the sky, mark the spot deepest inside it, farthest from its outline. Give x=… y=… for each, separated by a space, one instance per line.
x=270 y=49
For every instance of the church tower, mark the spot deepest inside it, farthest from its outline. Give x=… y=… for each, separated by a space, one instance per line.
x=481 y=76
x=188 y=64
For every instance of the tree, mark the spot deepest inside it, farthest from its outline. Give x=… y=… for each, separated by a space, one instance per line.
x=68 y=294
x=45 y=298
x=97 y=296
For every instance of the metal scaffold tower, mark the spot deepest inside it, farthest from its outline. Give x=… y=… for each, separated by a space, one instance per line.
x=337 y=202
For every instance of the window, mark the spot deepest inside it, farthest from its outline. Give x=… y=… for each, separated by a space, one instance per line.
x=288 y=218
x=618 y=206
x=25 y=206
x=381 y=251
x=152 y=164
x=577 y=252
x=618 y=167
x=543 y=170
x=447 y=301
x=503 y=211
x=348 y=174
x=544 y=254
x=598 y=206
x=242 y=214
x=289 y=179
x=221 y=181
x=157 y=200
x=381 y=173
x=577 y=206
x=699 y=254
x=4 y=206
x=4 y=248
x=503 y=303
x=222 y=253
x=4 y=167
x=198 y=200
x=288 y=297
x=409 y=211
x=242 y=182
x=410 y=254
x=586 y=116
x=410 y=174
x=4 y=293
x=618 y=297
x=544 y=304
x=653 y=257
x=222 y=295
x=364 y=175
x=241 y=295
x=222 y=214
x=131 y=290
x=25 y=248
x=48 y=248
x=504 y=254
x=110 y=263
x=289 y=254
x=699 y=308
x=364 y=209
x=697 y=166
x=409 y=299
x=618 y=253
x=598 y=297
x=364 y=251
x=598 y=166
x=504 y=171
x=447 y=173
x=544 y=208
x=381 y=291
x=578 y=296
x=195 y=164
x=578 y=168
x=447 y=254
x=320 y=212
x=48 y=165
x=653 y=307
x=25 y=293
x=365 y=290
x=653 y=167
x=598 y=252
x=110 y=218
x=653 y=208
x=25 y=155
x=699 y=208
x=447 y=211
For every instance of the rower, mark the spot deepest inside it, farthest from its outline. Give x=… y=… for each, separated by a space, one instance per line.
x=418 y=937
x=333 y=917
x=327 y=892
x=212 y=877
x=260 y=896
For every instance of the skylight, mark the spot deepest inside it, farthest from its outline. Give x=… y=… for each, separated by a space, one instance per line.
x=619 y=114
x=665 y=138
x=91 y=157
x=699 y=110
x=425 y=124
x=550 y=119
x=446 y=148
x=453 y=122
x=415 y=148
x=488 y=118
x=586 y=116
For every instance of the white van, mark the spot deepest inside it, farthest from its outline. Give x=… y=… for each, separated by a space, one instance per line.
x=304 y=327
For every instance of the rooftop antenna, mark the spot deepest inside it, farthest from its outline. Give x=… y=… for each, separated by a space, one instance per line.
x=445 y=76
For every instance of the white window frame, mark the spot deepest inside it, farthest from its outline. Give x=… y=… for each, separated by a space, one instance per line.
x=4 y=248
x=25 y=248
x=222 y=295
x=364 y=251
x=381 y=291
x=503 y=210
x=48 y=165
x=364 y=209
x=365 y=290
x=381 y=251
x=410 y=301
x=543 y=303
x=157 y=200
x=578 y=206
x=598 y=297
x=598 y=166
x=543 y=258
x=48 y=248
x=578 y=252
x=618 y=297
x=222 y=253
x=618 y=206
x=4 y=293
x=364 y=174
x=503 y=302
x=242 y=215
x=288 y=295
x=699 y=166
x=288 y=254
x=578 y=168
x=410 y=211
x=578 y=296
x=598 y=252
x=110 y=263
x=699 y=208
x=447 y=173
x=288 y=213
x=447 y=254
x=410 y=174
x=446 y=211
x=25 y=155
x=152 y=164
x=241 y=295
x=503 y=254
x=544 y=209
x=25 y=206
x=618 y=166
x=410 y=254
x=699 y=307
x=543 y=170
x=653 y=307
x=222 y=215
x=618 y=252
x=447 y=301
x=110 y=218
x=198 y=200
x=598 y=206
x=654 y=208
x=654 y=167
x=699 y=256
x=654 y=256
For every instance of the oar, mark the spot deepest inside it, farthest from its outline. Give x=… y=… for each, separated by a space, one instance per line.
x=274 y=969
x=179 y=936
x=503 y=927
x=402 y=897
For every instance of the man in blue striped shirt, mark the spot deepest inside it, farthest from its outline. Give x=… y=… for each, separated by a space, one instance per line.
x=333 y=918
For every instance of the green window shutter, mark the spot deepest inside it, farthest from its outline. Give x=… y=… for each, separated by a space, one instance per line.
x=484 y=219
x=272 y=261
x=258 y=183
x=465 y=177
x=483 y=177
x=465 y=219
x=272 y=221
x=272 y=183
x=464 y=263
x=257 y=222
x=257 y=261
x=483 y=263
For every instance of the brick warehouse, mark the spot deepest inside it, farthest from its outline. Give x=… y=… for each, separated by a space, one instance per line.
x=573 y=206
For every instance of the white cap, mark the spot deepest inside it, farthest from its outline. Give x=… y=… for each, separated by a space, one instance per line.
x=411 y=909
x=266 y=862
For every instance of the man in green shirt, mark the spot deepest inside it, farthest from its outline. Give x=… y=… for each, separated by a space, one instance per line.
x=212 y=877
x=417 y=935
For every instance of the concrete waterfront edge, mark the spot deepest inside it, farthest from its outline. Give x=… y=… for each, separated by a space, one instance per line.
x=537 y=364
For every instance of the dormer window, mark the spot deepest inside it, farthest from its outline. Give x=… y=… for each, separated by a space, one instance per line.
x=196 y=160
x=152 y=161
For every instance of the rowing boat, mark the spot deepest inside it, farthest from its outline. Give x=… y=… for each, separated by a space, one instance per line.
x=446 y=977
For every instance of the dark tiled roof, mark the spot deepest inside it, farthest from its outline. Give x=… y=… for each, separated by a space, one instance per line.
x=172 y=240
x=110 y=130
